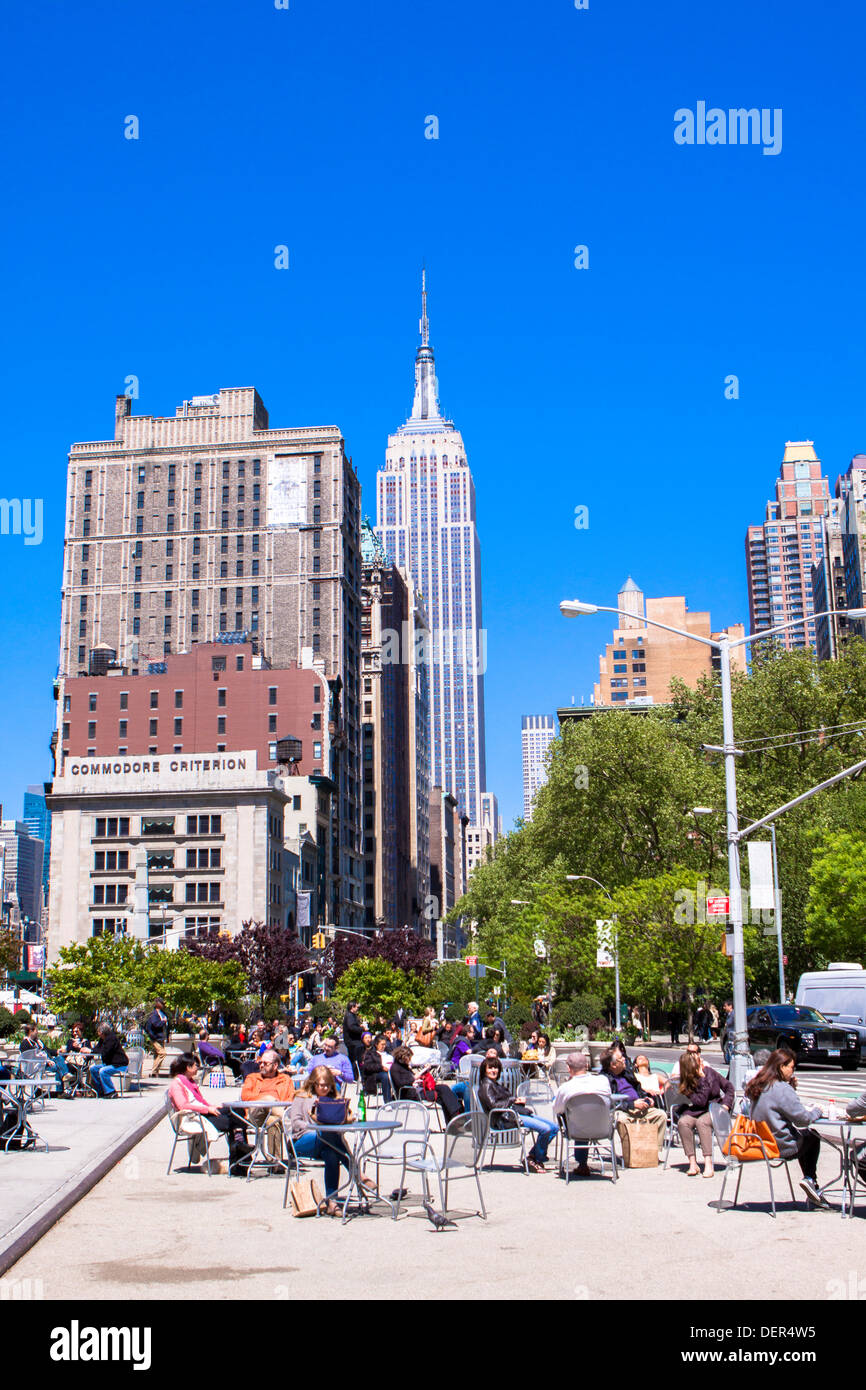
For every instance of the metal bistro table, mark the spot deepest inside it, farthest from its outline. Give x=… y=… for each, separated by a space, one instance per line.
x=359 y=1131
x=16 y=1091
x=258 y=1154
x=841 y=1135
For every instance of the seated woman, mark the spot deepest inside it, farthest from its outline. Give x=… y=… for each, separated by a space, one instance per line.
x=374 y=1073
x=699 y=1085
x=774 y=1101
x=652 y=1082
x=185 y=1095
x=500 y=1042
x=406 y=1086
x=330 y=1149
x=492 y=1093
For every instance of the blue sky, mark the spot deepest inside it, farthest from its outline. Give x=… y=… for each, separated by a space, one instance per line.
x=602 y=387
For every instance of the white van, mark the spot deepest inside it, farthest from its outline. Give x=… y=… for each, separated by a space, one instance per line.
x=839 y=993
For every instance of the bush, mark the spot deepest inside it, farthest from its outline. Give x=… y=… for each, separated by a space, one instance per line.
x=516 y=1016
x=22 y=1018
x=452 y=984
x=326 y=1008
x=7 y=1023
x=579 y=1012
x=380 y=988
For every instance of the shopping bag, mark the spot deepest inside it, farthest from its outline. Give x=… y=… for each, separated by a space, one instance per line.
x=640 y=1145
x=217 y=1080
x=744 y=1141
x=306 y=1197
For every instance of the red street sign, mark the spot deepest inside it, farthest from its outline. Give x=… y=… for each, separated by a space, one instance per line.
x=718 y=907
x=471 y=960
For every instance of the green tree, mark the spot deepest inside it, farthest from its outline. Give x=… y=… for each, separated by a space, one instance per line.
x=107 y=976
x=451 y=983
x=836 y=910
x=380 y=988
x=10 y=951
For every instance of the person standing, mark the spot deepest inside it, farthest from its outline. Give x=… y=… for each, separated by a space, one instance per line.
x=353 y=1036
x=157 y=1029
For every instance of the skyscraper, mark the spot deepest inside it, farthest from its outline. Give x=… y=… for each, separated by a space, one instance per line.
x=537 y=732
x=425 y=511
x=782 y=552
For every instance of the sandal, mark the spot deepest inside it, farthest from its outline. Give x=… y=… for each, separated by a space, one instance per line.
x=536 y=1167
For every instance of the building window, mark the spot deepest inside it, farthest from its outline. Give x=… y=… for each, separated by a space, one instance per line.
x=272 y=723
x=121 y=728
x=178 y=728
x=154 y=699
x=109 y=827
x=221 y=696
x=317 y=750
x=193 y=623
x=153 y=728
x=221 y=724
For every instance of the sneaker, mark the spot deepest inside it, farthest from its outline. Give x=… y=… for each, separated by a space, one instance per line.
x=813 y=1192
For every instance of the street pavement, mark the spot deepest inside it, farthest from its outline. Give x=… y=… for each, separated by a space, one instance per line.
x=142 y=1235
x=84 y=1138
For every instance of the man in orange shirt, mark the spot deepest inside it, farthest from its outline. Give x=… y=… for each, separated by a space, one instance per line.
x=269 y=1084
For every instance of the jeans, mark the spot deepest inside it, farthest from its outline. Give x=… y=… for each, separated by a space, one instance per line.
x=460 y=1090
x=102 y=1081
x=331 y=1151
x=544 y=1130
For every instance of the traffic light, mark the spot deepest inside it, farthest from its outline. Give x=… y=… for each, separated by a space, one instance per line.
x=319 y=941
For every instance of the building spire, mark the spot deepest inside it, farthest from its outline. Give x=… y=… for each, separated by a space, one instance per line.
x=425 y=406
x=424 y=325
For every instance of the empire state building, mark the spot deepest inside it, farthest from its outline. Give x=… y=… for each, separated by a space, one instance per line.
x=425 y=513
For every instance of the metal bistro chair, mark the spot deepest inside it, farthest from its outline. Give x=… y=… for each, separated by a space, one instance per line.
x=490 y=1138
x=132 y=1076
x=674 y=1104
x=461 y=1149
x=722 y=1126
x=409 y=1139
x=189 y=1128
x=35 y=1067
x=588 y=1119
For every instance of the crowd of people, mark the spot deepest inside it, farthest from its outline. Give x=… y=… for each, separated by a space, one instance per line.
x=420 y=1059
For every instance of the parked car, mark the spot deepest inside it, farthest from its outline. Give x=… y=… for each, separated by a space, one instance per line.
x=839 y=993
x=807 y=1032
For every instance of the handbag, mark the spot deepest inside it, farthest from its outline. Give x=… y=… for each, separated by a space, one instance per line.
x=306 y=1197
x=217 y=1080
x=745 y=1141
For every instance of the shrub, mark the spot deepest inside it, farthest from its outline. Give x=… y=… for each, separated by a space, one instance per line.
x=579 y=1012
x=22 y=1018
x=325 y=1008
x=516 y=1016
x=7 y=1023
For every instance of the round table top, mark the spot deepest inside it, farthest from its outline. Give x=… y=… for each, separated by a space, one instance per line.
x=361 y=1126
x=23 y=1081
x=263 y=1103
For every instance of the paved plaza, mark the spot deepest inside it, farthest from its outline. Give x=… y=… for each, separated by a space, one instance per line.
x=142 y=1235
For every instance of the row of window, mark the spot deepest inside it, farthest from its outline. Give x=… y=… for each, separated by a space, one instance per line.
x=111 y=827
x=193 y=926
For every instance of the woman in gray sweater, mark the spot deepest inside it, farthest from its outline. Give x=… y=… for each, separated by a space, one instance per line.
x=773 y=1100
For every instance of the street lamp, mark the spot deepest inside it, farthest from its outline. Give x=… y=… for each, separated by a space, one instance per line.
x=573 y=608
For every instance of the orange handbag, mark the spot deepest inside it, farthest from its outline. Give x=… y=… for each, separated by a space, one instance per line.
x=744 y=1141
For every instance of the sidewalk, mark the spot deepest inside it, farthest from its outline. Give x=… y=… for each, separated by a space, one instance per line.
x=86 y=1138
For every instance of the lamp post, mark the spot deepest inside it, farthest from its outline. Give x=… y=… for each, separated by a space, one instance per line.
x=572 y=608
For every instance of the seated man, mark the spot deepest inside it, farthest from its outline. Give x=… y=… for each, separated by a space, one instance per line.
x=630 y=1099
x=213 y=1056
x=269 y=1084
x=112 y=1059
x=30 y=1043
x=581 y=1082
x=332 y=1059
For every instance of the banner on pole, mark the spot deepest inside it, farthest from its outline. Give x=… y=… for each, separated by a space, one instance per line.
x=604 y=948
x=761 y=895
